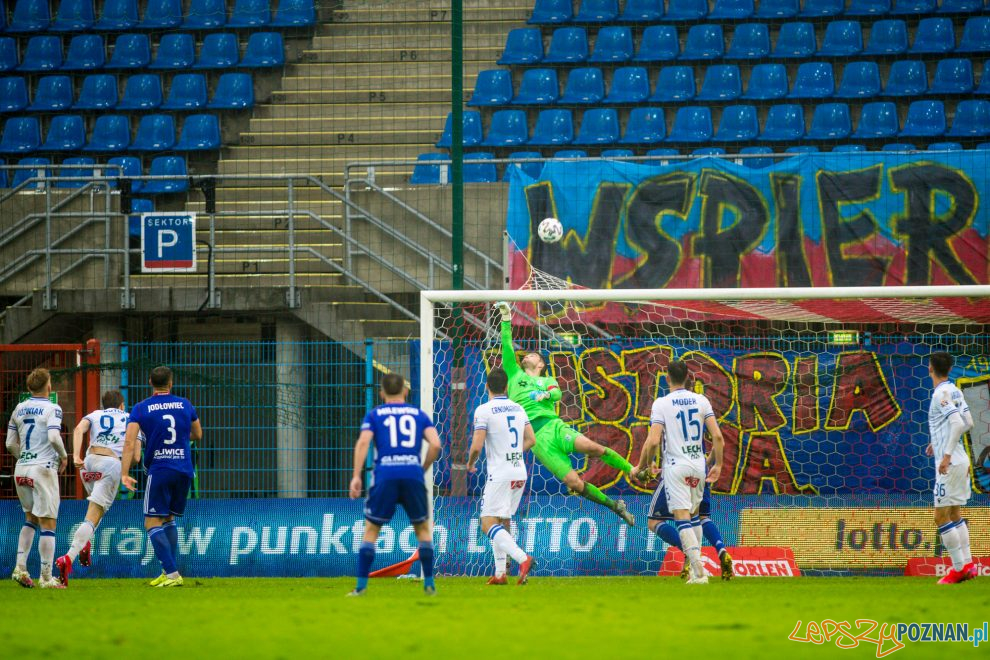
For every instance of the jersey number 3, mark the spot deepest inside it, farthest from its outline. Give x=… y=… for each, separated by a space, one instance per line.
x=406 y=426
x=171 y=429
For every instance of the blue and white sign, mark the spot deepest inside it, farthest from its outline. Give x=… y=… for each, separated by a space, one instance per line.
x=168 y=242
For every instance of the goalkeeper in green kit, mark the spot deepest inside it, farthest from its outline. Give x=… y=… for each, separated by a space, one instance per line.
x=555 y=440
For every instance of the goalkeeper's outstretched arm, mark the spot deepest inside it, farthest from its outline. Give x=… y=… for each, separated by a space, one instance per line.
x=509 y=363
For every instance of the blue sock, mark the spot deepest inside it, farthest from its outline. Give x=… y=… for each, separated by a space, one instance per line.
x=712 y=535
x=426 y=559
x=172 y=534
x=366 y=557
x=159 y=539
x=669 y=534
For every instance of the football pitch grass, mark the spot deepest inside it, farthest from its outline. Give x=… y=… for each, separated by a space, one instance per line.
x=634 y=617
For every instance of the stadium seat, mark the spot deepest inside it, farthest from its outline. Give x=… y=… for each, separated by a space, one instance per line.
x=3 y=174
x=983 y=146
x=118 y=15
x=584 y=86
x=709 y=151
x=220 y=50
x=532 y=169
x=598 y=126
x=264 y=50
x=868 y=8
x=250 y=14
x=924 y=119
x=78 y=166
x=8 y=54
x=567 y=45
x=645 y=126
x=822 y=8
x=642 y=11
x=124 y=167
x=549 y=12
x=66 y=133
x=813 y=80
x=945 y=146
x=732 y=10
x=723 y=82
x=630 y=84
x=492 y=87
x=470 y=131
x=663 y=155
x=953 y=76
x=29 y=16
x=138 y=206
x=86 y=53
x=175 y=51
x=972 y=119
x=692 y=124
x=522 y=46
x=802 y=149
x=659 y=43
x=187 y=92
x=154 y=133
x=553 y=127
x=427 y=172
x=830 y=121
x=887 y=37
x=784 y=123
x=597 y=11
x=173 y=166
x=739 y=124
x=234 y=91
x=98 y=92
x=73 y=16
x=52 y=94
x=934 y=35
x=960 y=6
x=618 y=153
x=877 y=120
x=975 y=36
x=686 y=10
x=675 y=83
x=860 y=80
x=757 y=163
x=508 y=128
x=537 y=87
x=13 y=94
x=161 y=15
x=749 y=41
x=909 y=7
x=480 y=172
x=842 y=39
x=613 y=44
x=295 y=13
x=21 y=176
x=141 y=92
x=205 y=15
x=777 y=9
x=906 y=78
x=849 y=148
x=130 y=51
x=795 y=40
x=43 y=53
x=767 y=82
x=984 y=87
x=704 y=42
x=571 y=153
x=898 y=146
x=199 y=133
x=111 y=133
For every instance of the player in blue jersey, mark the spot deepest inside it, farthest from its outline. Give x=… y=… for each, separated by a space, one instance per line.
x=169 y=424
x=398 y=431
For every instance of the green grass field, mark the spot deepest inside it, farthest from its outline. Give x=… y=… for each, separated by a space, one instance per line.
x=562 y=617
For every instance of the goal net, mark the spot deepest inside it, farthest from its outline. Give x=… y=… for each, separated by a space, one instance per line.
x=822 y=396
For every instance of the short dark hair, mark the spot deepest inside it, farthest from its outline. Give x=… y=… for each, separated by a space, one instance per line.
x=393 y=384
x=112 y=399
x=677 y=371
x=161 y=376
x=37 y=380
x=498 y=381
x=941 y=363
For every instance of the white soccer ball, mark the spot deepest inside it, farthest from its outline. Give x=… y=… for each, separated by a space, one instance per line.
x=550 y=230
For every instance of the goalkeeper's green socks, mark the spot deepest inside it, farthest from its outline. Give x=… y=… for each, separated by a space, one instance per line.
x=610 y=457
x=592 y=493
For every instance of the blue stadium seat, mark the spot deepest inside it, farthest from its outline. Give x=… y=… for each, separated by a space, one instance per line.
x=199 y=133
x=470 y=130
x=81 y=166
x=984 y=87
x=250 y=14
x=86 y=53
x=709 y=151
x=111 y=133
x=492 y=87
x=777 y=9
x=264 y=50
x=584 y=86
x=642 y=11
x=187 y=92
x=813 y=80
x=732 y=10
x=860 y=80
x=842 y=38
x=220 y=50
x=568 y=45
x=934 y=35
x=822 y=8
x=972 y=119
x=533 y=169
x=130 y=51
x=234 y=91
x=739 y=124
x=704 y=42
x=52 y=94
x=887 y=37
x=427 y=172
x=66 y=133
x=3 y=174
x=906 y=78
x=29 y=16
x=630 y=84
x=508 y=128
x=548 y=12
x=675 y=83
x=173 y=166
x=553 y=127
x=802 y=149
x=118 y=15
x=945 y=146
x=154 y=133
x=598 y=126
x=924 y=119
x=795 y=40
x=910 y=7
x=175 y=51
x=98 y=92
x=161 y=15
x=618 y=154
x=868 y=8
x=659 y=43
x=953 y=76
x=73 y=16
x=686 y=10
x=975 y=36
x=723 y=82
x=597 y=11
x=43 y=53
x=571 y=153
x=8 y=54
x=205 y=15
x=645 y=126
x=960 y=6
x=295 y=13
x=898 y=146
x=129 y=166
x=848 y=148
x=784 y=123
x=750 y=41
x=21 y=176
x=537 y=87
x=522 y=46
x=13 y=94
x=613 y=44
x=662 y=156
x=139 y=206
x=983 y=146
x=141 y=92
x=757 y=163
x=692 y=124
x=830 y=121
x=767 y=82
x=877 y=120
x=480 y=172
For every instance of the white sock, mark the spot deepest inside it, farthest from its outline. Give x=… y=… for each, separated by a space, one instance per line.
x=950 y=541
x=24 y=542
x=696 y=526
x=502 y=540
x=499 y=561
x=82 y=536
x=962 y=529
x=46 y=548
x=691 y=547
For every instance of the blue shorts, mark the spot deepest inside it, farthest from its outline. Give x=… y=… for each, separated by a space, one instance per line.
x=165 y=493
x=384 y=495
x=658 y=505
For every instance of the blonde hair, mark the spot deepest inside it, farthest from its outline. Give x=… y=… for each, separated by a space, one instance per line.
x=37 y=380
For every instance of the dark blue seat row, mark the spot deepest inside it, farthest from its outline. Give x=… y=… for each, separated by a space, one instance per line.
x=84 y=166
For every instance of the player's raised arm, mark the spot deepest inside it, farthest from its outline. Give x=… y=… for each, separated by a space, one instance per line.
x=360 y=456
x=433 y=448
x=78 y=434
x=509 y=363
x=718 y=447
x=130 y=440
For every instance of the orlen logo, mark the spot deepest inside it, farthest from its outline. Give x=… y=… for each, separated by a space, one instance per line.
x=746 y=562
x=762 y=568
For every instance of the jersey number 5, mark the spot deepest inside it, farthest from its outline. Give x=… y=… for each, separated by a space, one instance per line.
x=171 y=429
x=406 y=426
x=513 y=430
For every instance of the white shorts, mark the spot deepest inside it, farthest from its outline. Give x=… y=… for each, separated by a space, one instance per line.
x=37 y=488
x=501 y=498
x=952 y=488
x=684 y=485
x=101 y=479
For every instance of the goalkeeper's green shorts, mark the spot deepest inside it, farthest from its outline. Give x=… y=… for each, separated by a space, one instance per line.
x=554 y=445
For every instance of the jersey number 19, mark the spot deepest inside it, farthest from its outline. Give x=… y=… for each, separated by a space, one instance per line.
x=405 y=425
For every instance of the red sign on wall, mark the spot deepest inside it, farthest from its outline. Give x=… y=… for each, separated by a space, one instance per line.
x=746 y=562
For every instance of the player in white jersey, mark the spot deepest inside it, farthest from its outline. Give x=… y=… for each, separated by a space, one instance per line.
x=948 y=419
x=34 y=438
x=99 y=471
x=679 y=420
x=502 y=427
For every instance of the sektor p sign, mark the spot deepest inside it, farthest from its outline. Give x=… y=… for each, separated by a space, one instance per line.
x=168 y=242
